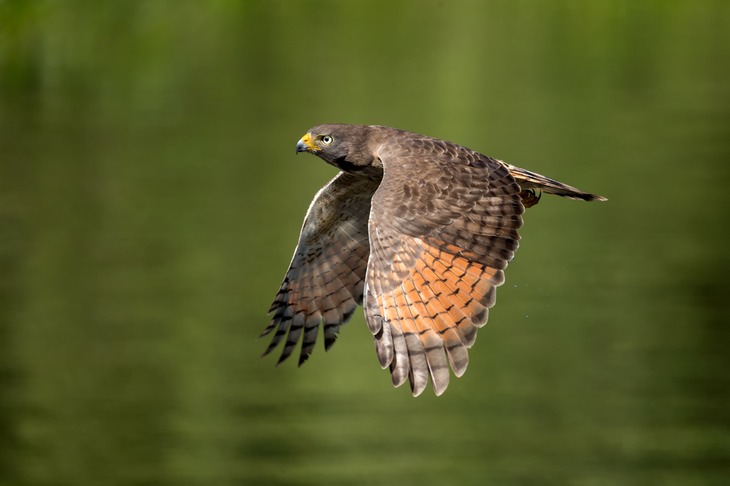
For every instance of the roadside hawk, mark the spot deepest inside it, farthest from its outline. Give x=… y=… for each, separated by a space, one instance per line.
x=416 y=229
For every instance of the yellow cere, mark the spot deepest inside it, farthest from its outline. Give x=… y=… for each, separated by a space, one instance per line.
x=309 y=142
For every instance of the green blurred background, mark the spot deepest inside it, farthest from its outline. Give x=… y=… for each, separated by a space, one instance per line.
x=150 y=201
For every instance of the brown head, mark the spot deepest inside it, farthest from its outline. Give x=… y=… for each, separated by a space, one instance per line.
x=351 y=148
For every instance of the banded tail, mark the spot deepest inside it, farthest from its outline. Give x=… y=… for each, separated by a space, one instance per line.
x=531 y=180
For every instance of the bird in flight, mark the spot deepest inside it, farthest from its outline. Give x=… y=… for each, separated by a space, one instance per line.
x=416 y=229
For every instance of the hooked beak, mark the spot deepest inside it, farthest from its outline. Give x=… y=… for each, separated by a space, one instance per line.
x=306 y=144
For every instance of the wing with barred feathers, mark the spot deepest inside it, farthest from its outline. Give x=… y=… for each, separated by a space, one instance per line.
x=324 y=283
x=443 y=226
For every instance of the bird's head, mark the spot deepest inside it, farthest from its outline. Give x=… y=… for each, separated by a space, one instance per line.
x=347 y=147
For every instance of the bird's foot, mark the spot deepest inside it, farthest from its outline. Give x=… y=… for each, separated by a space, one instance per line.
x=530 y=197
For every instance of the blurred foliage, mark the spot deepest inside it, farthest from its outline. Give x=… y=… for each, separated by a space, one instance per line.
x=150 y=200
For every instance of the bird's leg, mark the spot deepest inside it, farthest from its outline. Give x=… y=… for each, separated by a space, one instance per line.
x=530 y=197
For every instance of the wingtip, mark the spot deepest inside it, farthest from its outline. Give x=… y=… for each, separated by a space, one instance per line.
x=440 y=389
x=283 y=357
x=269 y=348
x=303 y=359
x=416 y=391
x=593 y=197
x=440 y=382
x=384 y=359
x=329 y=341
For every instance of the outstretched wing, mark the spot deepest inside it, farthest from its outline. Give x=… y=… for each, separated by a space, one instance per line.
x=443 y=227
x=324 y=283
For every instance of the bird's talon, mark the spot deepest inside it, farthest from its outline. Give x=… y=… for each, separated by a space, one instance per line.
x=530 y=197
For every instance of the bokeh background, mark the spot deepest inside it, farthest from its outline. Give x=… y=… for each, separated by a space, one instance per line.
x=150 y=201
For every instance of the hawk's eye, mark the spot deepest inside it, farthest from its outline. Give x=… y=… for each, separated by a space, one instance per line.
x=327 y=140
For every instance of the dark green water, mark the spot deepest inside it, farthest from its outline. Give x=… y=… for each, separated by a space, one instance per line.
x=150 y=200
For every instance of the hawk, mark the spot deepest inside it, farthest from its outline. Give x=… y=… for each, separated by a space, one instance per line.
x=416 y=229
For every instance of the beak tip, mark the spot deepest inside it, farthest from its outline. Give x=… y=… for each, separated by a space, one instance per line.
x=301 y=146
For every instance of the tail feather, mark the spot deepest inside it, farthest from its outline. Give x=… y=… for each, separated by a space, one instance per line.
x=532 y=180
